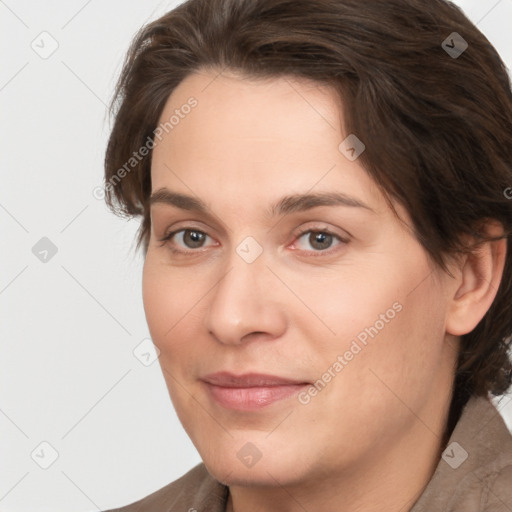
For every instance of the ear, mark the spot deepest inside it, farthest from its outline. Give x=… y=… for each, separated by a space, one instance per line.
x=478 y=277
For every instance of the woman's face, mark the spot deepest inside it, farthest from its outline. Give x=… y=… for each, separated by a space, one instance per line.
x=301 y=325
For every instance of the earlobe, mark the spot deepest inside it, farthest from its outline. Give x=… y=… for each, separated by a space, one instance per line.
x=478 y=278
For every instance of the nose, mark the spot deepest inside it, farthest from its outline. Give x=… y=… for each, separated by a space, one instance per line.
x=244 y=304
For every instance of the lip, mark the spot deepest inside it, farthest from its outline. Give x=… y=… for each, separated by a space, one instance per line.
x=250 y=391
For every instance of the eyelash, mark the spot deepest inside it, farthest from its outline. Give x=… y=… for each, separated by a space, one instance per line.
x=166 y=239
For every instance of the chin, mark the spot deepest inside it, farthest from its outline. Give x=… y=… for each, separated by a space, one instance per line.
x=251 y=477
x=268 y=471
x=249 y=480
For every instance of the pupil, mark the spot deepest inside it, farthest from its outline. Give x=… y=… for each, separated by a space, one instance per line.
x=320 y=240
x=194 y=238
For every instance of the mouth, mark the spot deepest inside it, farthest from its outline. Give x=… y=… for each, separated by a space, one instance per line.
x=251 y=391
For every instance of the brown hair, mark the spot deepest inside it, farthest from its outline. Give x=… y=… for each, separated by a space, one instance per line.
x=437 y=127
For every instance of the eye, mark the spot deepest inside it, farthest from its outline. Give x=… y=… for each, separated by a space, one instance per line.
x=318 y=240
x=186 y=239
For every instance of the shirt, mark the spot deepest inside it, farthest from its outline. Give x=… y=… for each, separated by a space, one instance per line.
x=474 y=473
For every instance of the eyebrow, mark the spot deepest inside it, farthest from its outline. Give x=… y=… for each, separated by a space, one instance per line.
x=284 y=206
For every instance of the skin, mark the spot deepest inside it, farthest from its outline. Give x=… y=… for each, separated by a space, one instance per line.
x=371 y=439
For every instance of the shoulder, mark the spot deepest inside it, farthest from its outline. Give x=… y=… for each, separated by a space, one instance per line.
x=501 y=487
x=491 y=446
x=488 y=488
x=197 y=489
x=475 y=470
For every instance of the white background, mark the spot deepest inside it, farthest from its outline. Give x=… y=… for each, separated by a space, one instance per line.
x=68 y=375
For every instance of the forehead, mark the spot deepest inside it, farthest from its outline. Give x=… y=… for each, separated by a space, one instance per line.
x=271 y=111
x=231 y=85
x=263 y=137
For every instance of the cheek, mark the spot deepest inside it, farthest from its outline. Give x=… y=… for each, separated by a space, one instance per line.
x=387 y=318
x=172 y=304
x=349 y=304
x=164 y=307
x=158 y=302
x=166 y=316
x=169 y=297
x=405 y=357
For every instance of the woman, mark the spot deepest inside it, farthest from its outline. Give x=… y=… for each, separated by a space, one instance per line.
x=324 y=189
